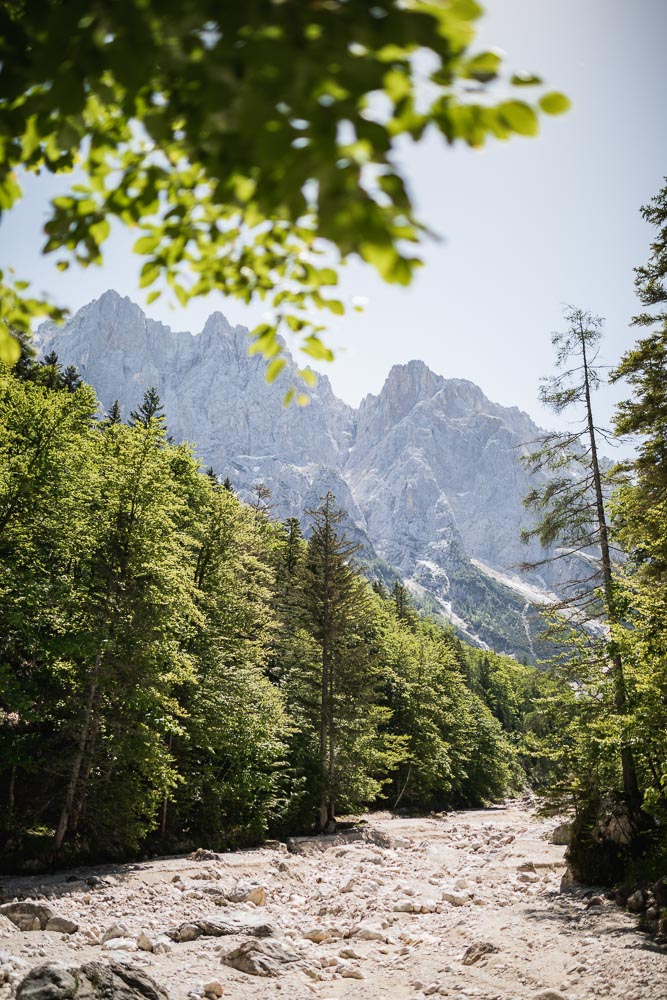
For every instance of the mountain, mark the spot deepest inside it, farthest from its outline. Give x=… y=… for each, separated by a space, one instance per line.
x=428 y=471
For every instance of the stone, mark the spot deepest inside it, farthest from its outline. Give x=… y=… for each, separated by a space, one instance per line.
x=477 y=951
x=215 y=927
x=116 y=931
x=213 y=988
x=562 y=835
x=61 y=925
x=455 y=898
x=120 y=944
x=92 y=981
x=261 y=958
x=549 y=995
x=201 y=854
x=144 y=942
x=26 y=915
x=636 y=902
x=244 y=892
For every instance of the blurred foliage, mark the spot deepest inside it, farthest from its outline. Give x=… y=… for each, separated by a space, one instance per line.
x=250 y=145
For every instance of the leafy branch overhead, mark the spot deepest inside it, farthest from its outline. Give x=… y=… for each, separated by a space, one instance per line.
x=250 y=145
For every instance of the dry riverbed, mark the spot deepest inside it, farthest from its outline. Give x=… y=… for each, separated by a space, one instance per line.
x=466 y=906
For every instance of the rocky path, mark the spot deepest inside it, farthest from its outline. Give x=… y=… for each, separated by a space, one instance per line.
x=467 y=906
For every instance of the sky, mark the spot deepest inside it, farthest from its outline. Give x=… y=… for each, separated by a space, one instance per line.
x=527 y=227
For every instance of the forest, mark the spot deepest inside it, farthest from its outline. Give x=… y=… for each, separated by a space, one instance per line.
x=179 y=667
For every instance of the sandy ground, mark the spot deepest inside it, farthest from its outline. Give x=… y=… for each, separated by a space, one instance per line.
x=390 y=918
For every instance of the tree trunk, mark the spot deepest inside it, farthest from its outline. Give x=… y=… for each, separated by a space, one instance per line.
x=630 y=782
x=75 y=770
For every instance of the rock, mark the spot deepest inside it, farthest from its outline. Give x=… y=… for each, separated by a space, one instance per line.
x=350 y=972
x=12 y=968
x=549 y=995
x=568 y=881
x=214 y=927
x=594 y=901
x=120 y=944
x=213 y=989
x=244 y=892
x=562 y=835
x=27 y=916
x=455 y=898
x=201 y=854
x=116 y=931
x=275 y=845
x=321 y=934
x=61 y=925
x=92 y=981
x=636 y=902
x=144 y=942
x=367 y=931
x=475 y=952
x=8 y=927
x=261 y=958
x=659 y=890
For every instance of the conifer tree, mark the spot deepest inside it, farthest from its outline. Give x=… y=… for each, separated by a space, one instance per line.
x=333 y=602
x=114 y=416
x=571 y=504
x=150 y=409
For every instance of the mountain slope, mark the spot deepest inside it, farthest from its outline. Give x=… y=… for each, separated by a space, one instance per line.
x=428 y=470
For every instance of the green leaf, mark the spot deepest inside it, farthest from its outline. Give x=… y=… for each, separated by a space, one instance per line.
x=314 y=348
x=146 y=244
x=302 y=399
x=555 y=103
x=519 y=117
x=274 y=369
x=525 y=80
x=152 y=296
x=100 y=230
x=483 y=67
x=10 y=349
x=289 y=396
x=309 y=377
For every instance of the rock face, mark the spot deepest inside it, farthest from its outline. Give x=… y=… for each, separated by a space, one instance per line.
x=93 y=981
x=428 y=471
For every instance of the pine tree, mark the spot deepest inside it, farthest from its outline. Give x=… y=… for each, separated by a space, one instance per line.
x=571 y=505
x=114 y=415
x=332 y=595
x=151 y=409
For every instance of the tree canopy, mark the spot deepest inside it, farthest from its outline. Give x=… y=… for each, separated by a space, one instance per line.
x=250 y=145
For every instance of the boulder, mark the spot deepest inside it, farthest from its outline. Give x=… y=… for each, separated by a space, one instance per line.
x=562 y=835
x=261 y=958
x=92 y=981
x=220 y=927
x=61 y=925
x=27 y=916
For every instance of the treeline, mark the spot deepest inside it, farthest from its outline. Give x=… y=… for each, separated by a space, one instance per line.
x=177 y=667
x=607 y=727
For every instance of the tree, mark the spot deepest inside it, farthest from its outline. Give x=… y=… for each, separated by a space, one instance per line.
x=334 y=601
x=243 y=143
x=571 y=504
x=114 y=416
x=150 y=409
x=644 y=367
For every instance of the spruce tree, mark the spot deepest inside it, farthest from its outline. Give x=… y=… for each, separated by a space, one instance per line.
x=331 y=602
x=150 y=409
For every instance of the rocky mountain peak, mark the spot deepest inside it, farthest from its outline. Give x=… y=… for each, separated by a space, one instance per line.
x=428 y=470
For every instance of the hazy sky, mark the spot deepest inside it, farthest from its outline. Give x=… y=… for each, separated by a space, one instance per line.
x=527 y=226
